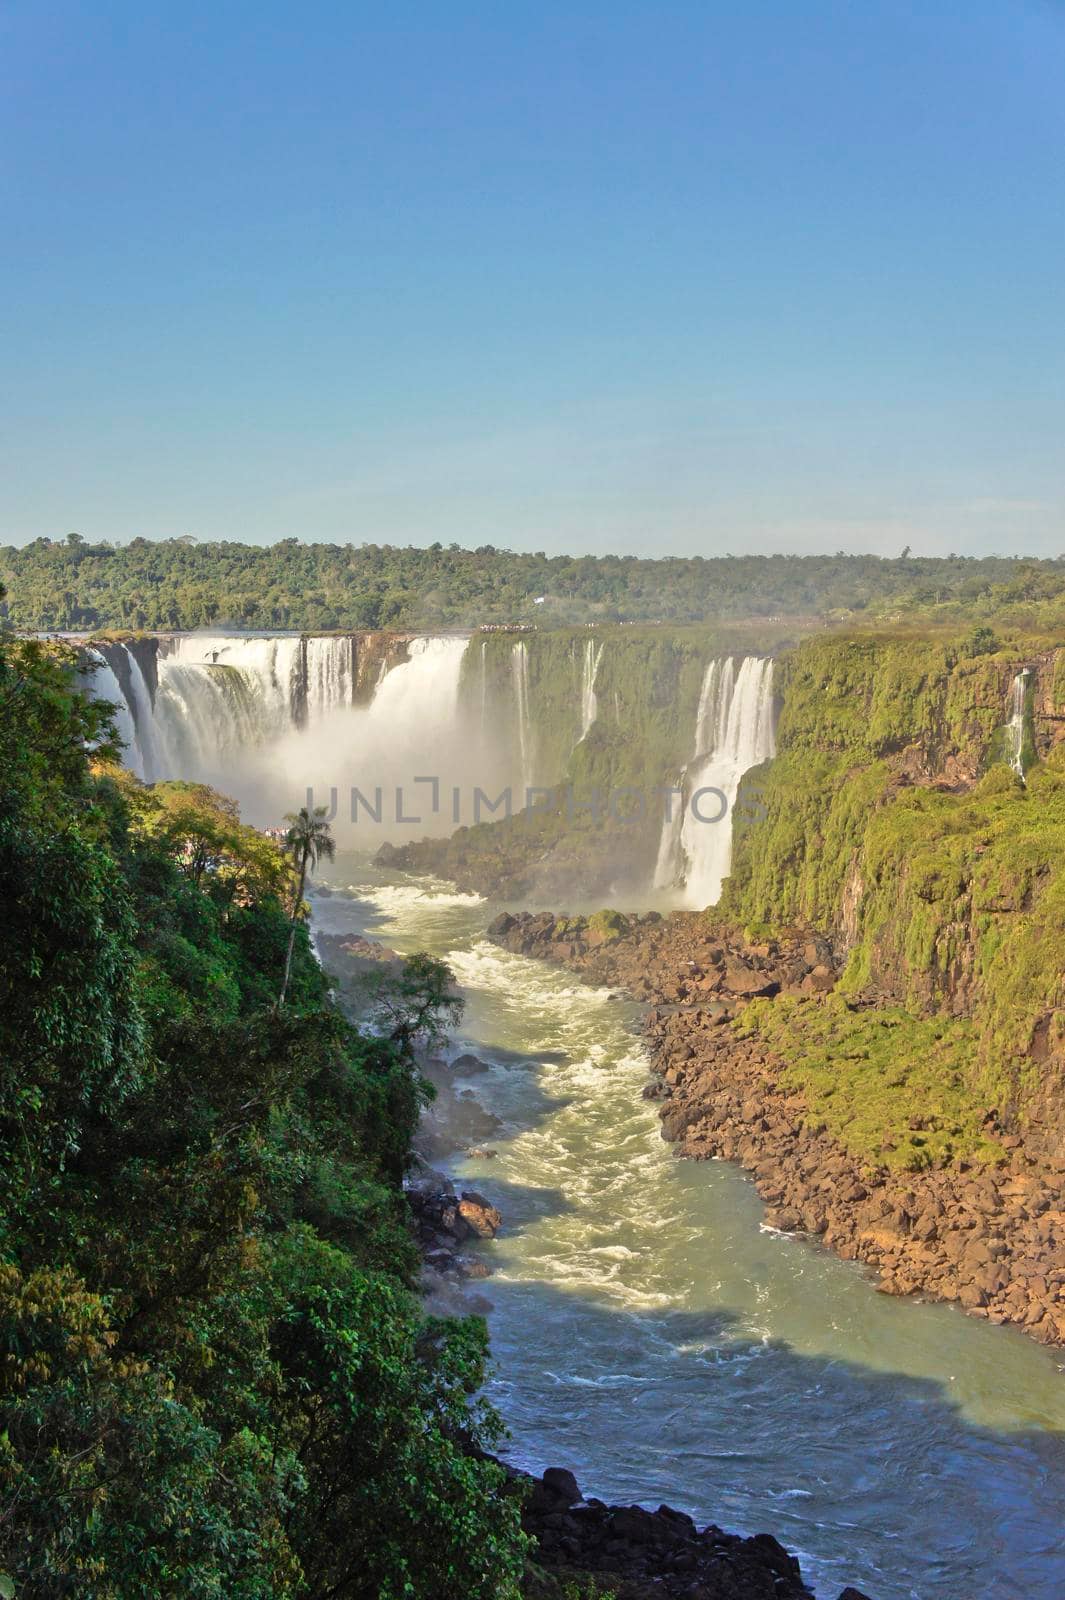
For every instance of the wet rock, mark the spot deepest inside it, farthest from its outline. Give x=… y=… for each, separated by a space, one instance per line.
x=480 y=1217
x=988 y=1240
x=648 y=1555
x=562 y=1484
x=467 y=1064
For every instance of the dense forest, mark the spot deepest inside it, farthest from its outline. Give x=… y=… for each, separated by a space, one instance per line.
x=215 y=1379
x=177 y=583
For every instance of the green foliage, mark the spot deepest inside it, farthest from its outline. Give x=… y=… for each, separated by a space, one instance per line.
x=856 y=710
x=983 y=641
x=214 y=1379
x=949 y=896
x=892 y=1088
x=964 y=898
x=607 y=926
x=1058 y=683
x=418 y=1006
x=112 y=1485
x=307 y=841
x=59 y=584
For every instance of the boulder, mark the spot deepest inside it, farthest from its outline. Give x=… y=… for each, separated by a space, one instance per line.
x=466 y=1065
x=479 y=1215
x=561 y=1483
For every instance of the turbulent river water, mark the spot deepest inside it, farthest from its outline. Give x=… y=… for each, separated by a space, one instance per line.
x=651 y=1334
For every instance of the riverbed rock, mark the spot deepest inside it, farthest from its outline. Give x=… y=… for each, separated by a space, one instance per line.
x=468 y=1065
x=990 y=1241
x=644 y=1554
x=480 y=1217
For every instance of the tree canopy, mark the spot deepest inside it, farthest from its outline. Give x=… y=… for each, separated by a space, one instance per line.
x=73 y=584
x=215 y=1379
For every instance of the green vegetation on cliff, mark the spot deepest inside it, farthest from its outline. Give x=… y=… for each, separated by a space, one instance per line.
x=890 y=820
x=215 y=1379
x=858 y=713
x=647 y=686
x=890 y=1086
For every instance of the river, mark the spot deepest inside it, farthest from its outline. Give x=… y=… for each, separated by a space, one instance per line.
x=651 y=1334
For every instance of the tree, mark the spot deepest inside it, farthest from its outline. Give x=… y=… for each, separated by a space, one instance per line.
x=416 y=1005
x=308 y=840
x=214 y=1377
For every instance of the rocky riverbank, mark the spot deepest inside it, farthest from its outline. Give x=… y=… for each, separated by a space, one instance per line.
x=637 y=1554
x=989 y=1235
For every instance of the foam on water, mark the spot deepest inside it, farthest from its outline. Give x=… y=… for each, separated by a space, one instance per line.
x=648 y=1334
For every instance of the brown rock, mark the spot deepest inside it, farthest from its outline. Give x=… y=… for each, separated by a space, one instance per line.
x=480 y=1217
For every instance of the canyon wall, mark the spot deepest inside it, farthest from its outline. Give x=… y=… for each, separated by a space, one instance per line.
x=904 y=817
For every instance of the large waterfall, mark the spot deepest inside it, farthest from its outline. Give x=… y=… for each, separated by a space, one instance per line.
x=266 y=719
x=733 y=732
x=383 y=729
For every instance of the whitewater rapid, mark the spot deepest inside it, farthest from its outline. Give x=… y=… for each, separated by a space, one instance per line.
x=649 y=1332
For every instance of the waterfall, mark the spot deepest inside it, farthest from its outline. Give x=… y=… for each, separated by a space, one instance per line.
x=420 y=697
x=733 y=732
x=232 y=689
x=329 y=667
x=143 y=712
x=593 y=654
x=263 y=719
x=103 y=684
x=714 y=696
x=714 y=699
x=1015 y=725
x=520 y=670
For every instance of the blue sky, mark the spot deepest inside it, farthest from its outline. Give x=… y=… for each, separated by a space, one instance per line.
x=656 y=278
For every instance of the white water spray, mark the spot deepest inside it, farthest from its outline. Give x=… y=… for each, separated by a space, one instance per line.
x=520 y=669
x=593 y=654
x=734 y=732
x=266 y=719
x=1015 y=725
x=104 y=685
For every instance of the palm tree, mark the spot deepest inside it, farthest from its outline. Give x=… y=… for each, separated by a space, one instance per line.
x=307 y=841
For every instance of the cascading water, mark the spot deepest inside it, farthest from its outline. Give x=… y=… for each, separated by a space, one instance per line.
x=713 y=704
x=733 y=732
x=216 y=696
x=103 y=684
x=520 y=670
x=266 y=719
x=219 y=693
x=593 y=654
x=329 y=673
x=142 y=710
x=1015 y=725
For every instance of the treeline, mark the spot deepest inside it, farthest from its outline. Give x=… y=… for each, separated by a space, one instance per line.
x=215 y=1379
x=176 y=583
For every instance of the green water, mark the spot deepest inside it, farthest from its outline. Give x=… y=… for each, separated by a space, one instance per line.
x=651 y=1334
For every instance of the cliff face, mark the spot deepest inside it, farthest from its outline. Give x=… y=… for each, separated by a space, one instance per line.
x=891 y=821
x=576 y=714
x=603 y=723
x=645 y=684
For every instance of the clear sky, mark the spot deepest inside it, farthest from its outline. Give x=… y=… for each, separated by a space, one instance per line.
x=653 y=278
